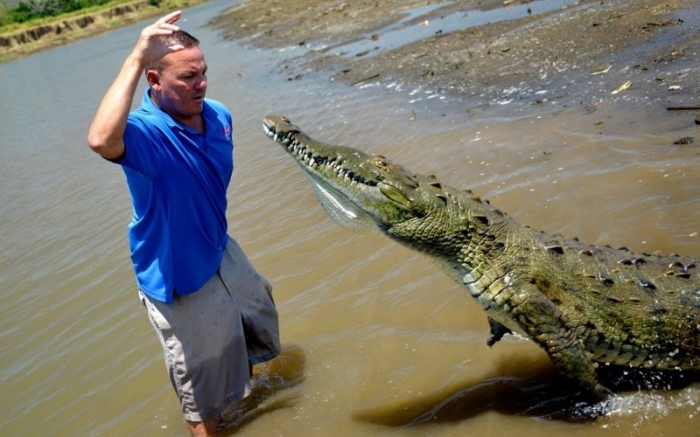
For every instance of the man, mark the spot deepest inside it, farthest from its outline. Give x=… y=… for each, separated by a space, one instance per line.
x=212 y=311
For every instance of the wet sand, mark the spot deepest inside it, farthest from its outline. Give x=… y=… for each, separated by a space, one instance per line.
x=575 y=53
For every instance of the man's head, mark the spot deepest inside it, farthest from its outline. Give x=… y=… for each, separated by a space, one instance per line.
x=178 y=80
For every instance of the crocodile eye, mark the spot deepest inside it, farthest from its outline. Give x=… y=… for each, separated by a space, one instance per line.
x=379 y=162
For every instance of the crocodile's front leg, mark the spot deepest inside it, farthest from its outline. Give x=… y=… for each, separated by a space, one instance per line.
x=545 y=324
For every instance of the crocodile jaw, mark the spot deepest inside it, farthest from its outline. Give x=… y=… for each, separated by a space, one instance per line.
x=337 y=206
x=348 y=183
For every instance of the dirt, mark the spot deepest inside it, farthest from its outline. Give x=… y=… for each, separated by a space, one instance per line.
x=579 y=52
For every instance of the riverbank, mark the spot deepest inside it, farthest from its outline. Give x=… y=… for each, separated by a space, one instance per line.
x=34 y=37
x=483 y=50
x=588 y=50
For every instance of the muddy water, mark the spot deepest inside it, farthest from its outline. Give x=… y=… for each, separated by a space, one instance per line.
x=392 y=346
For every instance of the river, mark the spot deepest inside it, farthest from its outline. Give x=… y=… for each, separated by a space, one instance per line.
x=392 y=346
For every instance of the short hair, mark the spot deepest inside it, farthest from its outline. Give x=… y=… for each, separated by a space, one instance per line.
x=177 y=37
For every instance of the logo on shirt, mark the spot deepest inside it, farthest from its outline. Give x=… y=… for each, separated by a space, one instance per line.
x=227 y=132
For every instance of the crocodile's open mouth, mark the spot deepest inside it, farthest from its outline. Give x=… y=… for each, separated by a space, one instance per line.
x=312 y=159
x=332 y=198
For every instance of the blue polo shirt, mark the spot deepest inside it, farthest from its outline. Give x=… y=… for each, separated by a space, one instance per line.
x=177 y=179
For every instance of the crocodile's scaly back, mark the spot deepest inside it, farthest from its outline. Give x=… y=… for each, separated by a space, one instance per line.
x=584 y=305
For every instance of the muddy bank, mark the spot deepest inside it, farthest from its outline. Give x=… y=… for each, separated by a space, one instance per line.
x=543 y=51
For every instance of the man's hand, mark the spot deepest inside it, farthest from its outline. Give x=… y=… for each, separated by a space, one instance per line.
x=151 y=45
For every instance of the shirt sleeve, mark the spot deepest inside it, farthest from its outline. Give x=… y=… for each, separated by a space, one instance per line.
x=141 y=142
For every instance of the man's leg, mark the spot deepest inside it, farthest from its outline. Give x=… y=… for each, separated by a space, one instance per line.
x=203 y=429
x=206 y=375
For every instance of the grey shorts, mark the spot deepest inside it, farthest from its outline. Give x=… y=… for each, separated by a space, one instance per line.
x=212 y=336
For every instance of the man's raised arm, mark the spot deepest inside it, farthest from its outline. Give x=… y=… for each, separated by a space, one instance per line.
x=106 y=134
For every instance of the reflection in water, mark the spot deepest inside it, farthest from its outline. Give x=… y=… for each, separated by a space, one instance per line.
x=378 y=325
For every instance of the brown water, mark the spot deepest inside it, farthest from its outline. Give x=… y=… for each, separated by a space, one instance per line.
x=392 y=346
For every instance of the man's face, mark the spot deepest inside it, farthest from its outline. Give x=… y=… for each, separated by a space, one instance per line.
x=180 y=86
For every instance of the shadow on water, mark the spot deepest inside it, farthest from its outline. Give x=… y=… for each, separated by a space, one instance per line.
x=270 y=378
x=520 y=387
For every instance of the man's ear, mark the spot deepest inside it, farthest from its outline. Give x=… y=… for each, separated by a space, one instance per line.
x=153 y=78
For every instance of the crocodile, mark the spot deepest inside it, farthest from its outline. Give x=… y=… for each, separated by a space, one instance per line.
x=588 y=307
